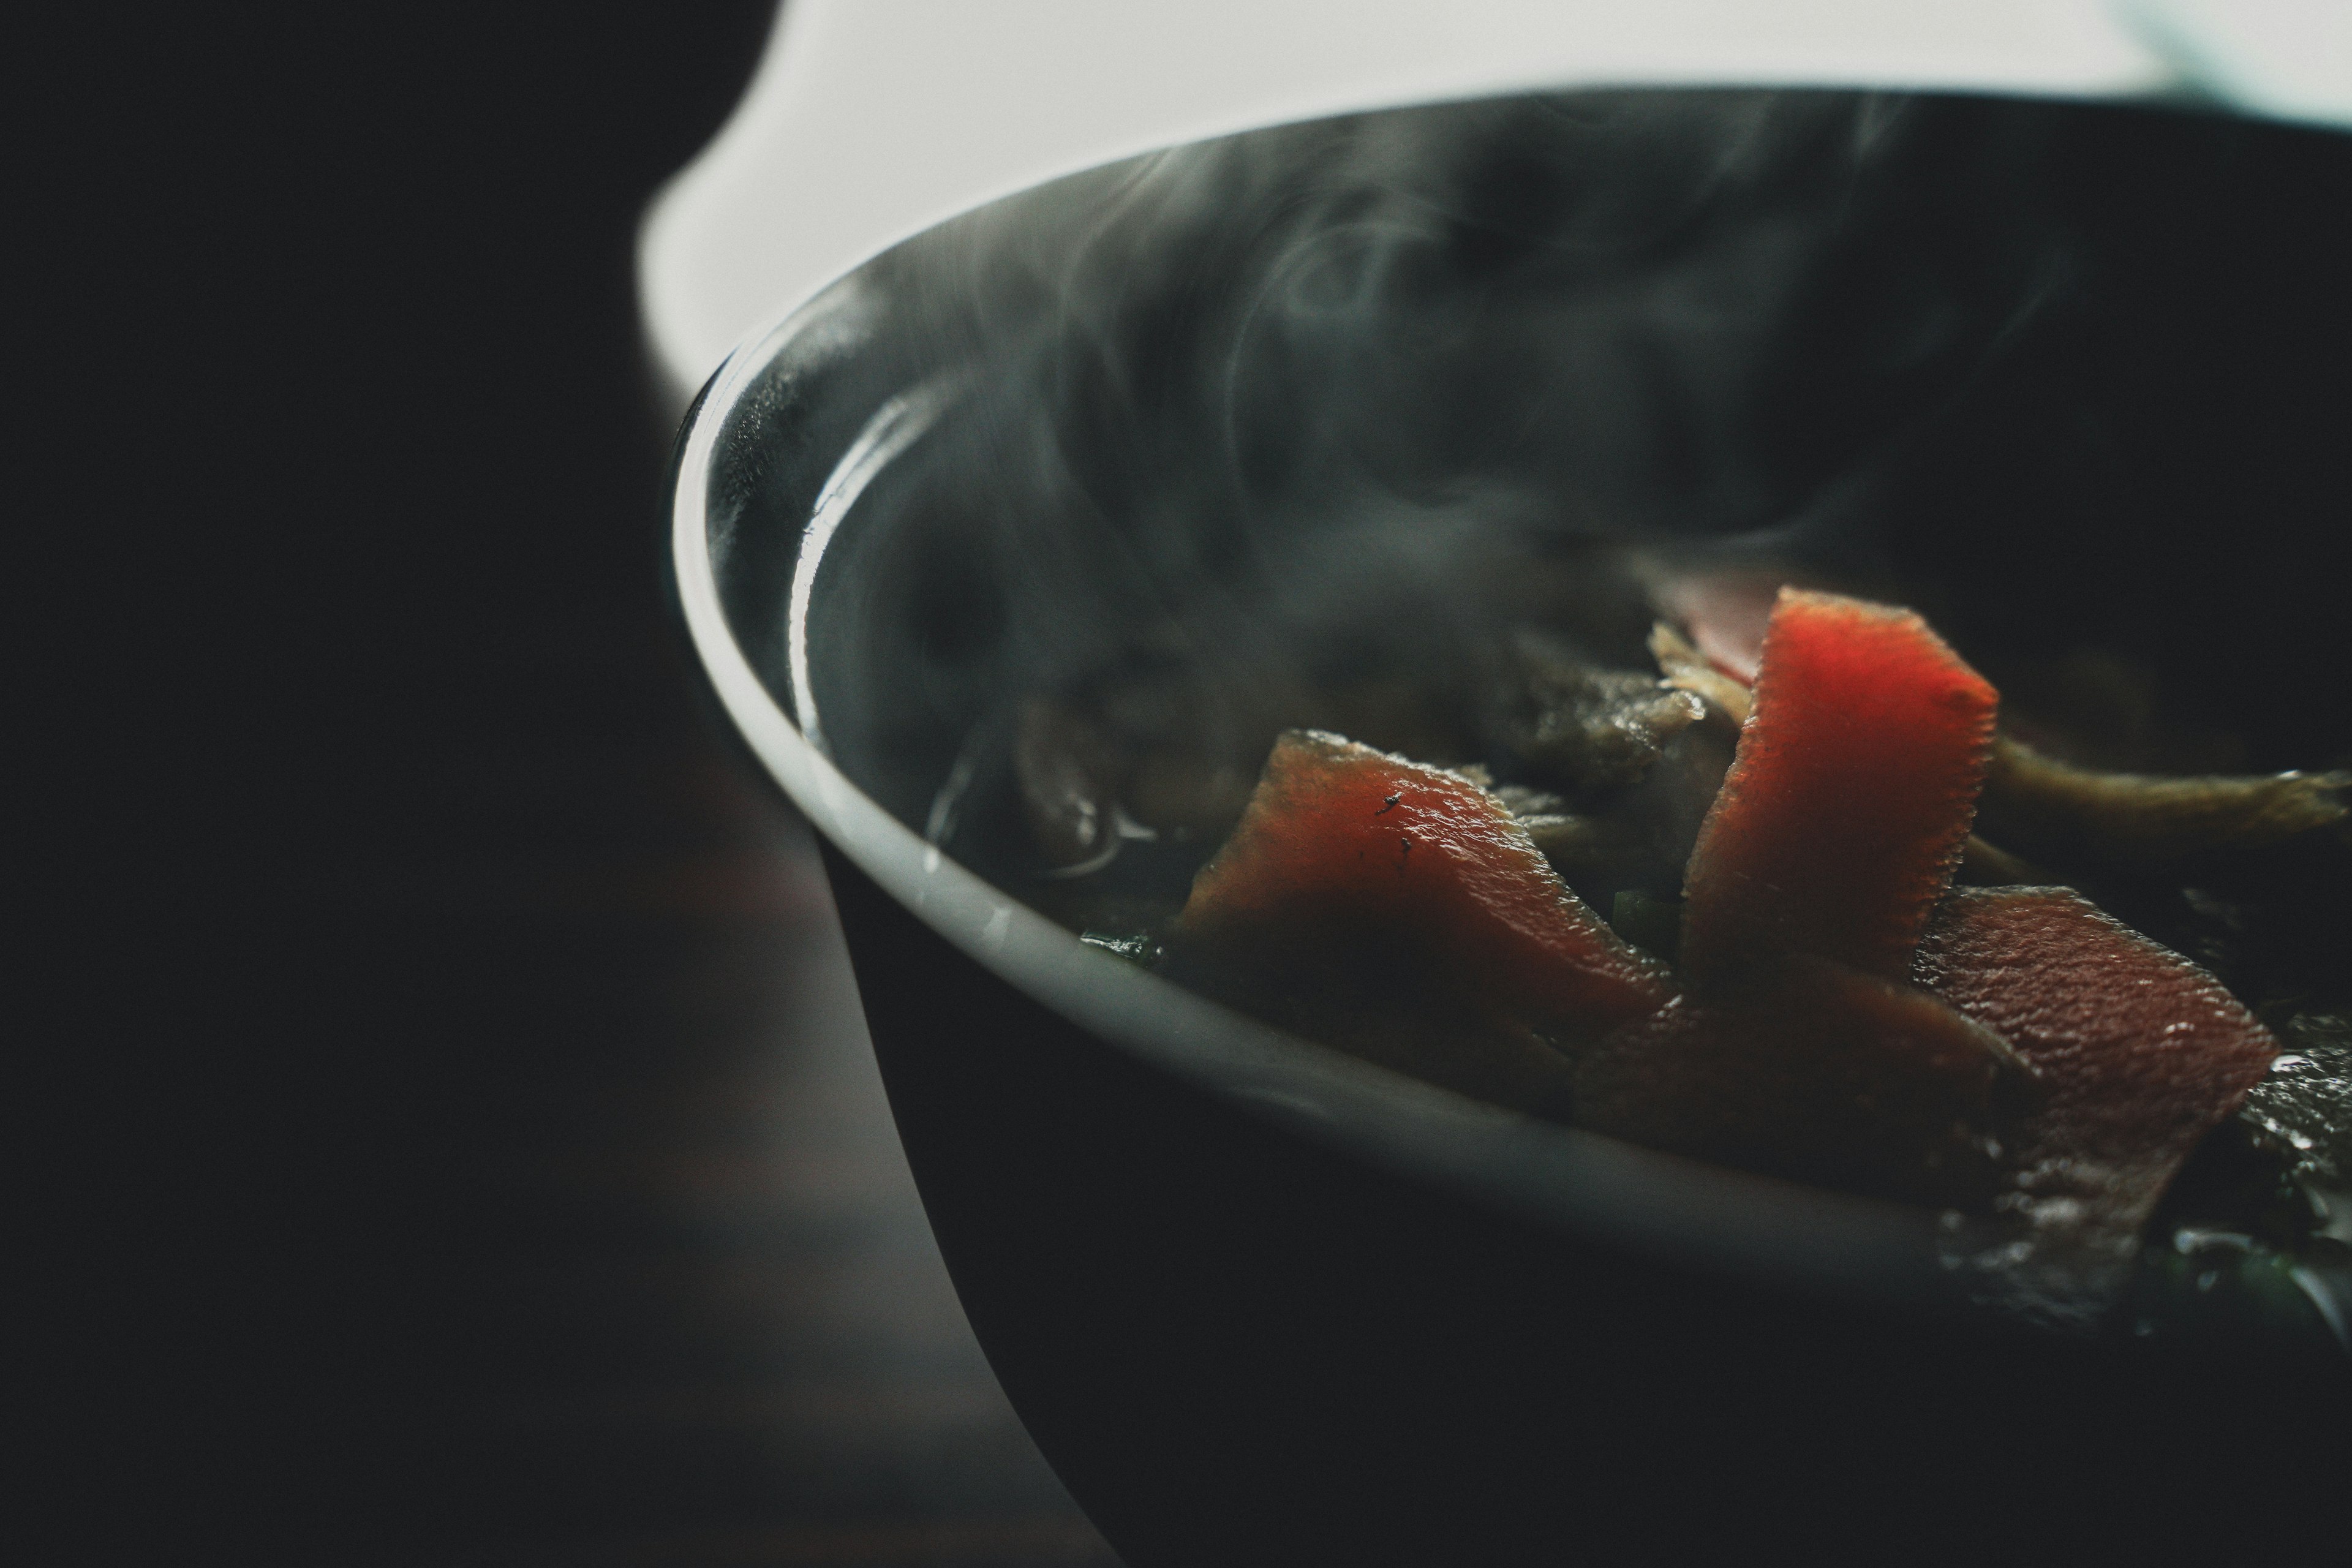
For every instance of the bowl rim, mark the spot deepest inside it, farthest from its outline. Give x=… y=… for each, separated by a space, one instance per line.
x=1680 y=1212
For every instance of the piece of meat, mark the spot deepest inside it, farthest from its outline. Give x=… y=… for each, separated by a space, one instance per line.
x=1848 y=803
x=2133 y=1053
x=1367 y=901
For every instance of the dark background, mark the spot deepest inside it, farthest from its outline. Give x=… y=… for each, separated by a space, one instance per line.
x=469 y=1152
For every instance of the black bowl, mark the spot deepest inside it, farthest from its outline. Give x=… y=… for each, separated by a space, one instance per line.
x=1319 y=397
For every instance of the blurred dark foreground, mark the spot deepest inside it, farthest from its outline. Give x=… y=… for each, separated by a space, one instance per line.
x=472 y=1153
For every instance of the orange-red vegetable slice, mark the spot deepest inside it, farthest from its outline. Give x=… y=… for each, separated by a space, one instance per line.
x=1852 y=794
x=1344 y=845
x=2136 y=1053
x=1812 y=1072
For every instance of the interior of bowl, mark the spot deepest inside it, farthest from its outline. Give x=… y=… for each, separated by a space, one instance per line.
x=1289 y=429
x=1315 y=404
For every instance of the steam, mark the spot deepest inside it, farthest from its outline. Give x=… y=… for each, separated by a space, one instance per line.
x=1338 y=399
x=1586 y=305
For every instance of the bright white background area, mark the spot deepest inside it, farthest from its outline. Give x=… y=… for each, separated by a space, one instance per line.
x=869 y=120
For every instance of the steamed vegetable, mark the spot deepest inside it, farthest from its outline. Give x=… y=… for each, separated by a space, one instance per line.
x=2046 y=805
x=1401 y=912
x=2133 y=1053
x=1820 y=963
x=1812 y=1071
x=1799 y=1048
x=1843 y=814
x=2031 y=1058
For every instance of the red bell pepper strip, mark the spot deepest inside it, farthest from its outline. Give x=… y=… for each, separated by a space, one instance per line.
x=2135 y=1053
x=1812 y=1072
x=1341 y=840
x=1846 y=807
x=1801 y=1049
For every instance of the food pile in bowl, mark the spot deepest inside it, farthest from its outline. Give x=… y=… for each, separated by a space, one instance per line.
x=1555 y=815
x=1767 y=626
x=1778 y=627
x=1748 y=905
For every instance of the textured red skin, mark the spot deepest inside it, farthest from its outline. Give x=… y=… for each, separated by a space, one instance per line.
x=1811 y=1072
x=1341 y=837
x=1850 y=798
x=1821 y=1040
x=2135 y=1052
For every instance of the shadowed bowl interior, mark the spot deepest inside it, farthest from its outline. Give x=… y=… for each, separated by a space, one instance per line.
x=1317 y=403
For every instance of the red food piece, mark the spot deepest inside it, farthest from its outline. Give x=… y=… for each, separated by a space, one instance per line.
x=1350 y=857
x=1800 y=1050
x=1812 y=1072
x=2135 y=1052
x=1846 y=807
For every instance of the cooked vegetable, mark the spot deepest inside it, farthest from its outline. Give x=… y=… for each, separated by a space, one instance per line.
x=1815 y=1072
x=1800 y=1049
x=2302 y=1112
x=1846 y=807
x=2045 y=806
x=1686 y=669
x=1821 y=1003
x=2132 y=1052
x=1411 y=909
x=1728 y=698
x=1586 y=731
